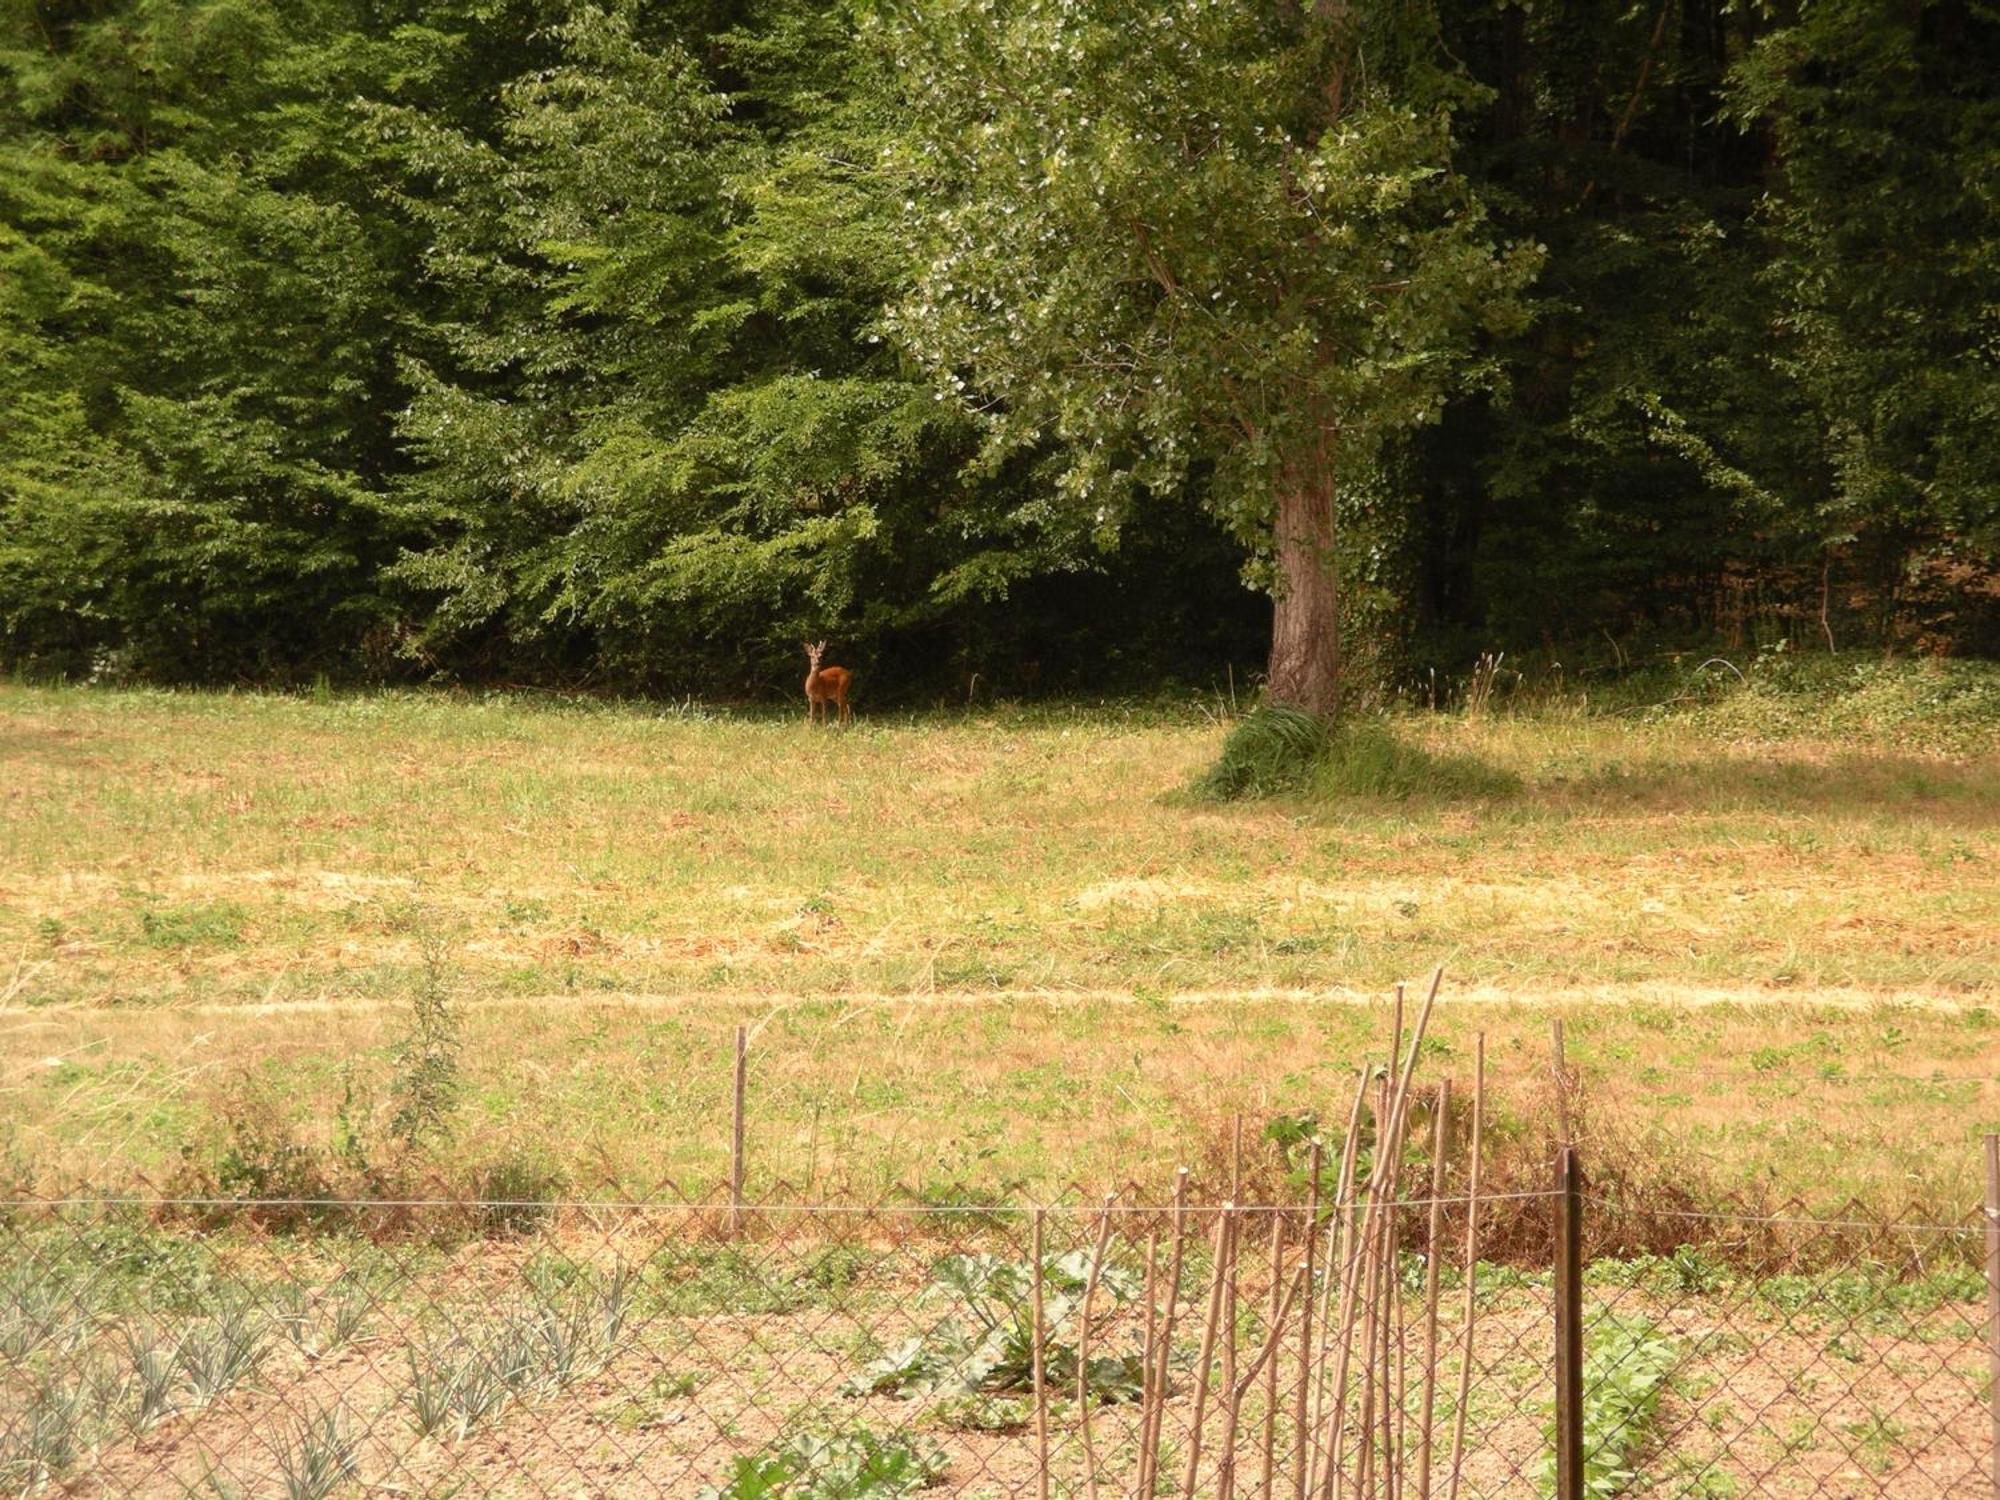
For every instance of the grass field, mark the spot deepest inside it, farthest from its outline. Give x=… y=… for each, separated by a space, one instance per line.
x=1003 y=948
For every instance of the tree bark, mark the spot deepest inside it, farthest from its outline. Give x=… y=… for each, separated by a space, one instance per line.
x=1305 y=627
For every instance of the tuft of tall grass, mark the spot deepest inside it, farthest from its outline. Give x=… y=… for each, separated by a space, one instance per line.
x=1279 y=751
x=1274 y=749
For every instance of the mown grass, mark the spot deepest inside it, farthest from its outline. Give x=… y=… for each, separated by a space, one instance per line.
x=1007 y=948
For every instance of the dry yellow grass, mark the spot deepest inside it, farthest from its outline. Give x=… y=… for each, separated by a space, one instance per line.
x=997 y=947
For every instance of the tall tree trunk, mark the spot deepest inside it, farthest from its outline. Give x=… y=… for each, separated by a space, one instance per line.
x=1305 y=628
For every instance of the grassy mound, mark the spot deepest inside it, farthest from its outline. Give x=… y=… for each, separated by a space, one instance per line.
x=1277 y=751
x=1273 y=750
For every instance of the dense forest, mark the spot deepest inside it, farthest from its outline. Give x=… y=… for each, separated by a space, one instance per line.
x=1015 y=347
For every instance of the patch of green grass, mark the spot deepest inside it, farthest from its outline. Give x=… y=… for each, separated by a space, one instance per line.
x=1366 y=757
x=198 y=925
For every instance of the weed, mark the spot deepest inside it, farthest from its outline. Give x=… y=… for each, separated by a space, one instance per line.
x=516 y=1192
x=1367 y=758
x=975 y=1413
x=427 y=1084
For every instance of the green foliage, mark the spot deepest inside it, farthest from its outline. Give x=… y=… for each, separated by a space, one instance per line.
x=849 y=1465
x=610 y=343
x=1625 y=1373
x=985 y=1341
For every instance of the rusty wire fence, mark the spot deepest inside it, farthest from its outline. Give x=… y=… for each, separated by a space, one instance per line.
x=955 y=1347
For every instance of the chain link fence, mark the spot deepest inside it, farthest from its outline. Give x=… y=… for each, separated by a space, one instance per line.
x=954 y=1347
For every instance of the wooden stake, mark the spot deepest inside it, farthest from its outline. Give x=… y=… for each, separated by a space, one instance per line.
x=1149 y=1456
x=1218 y=1272
x=1561 y=1065
x=1271 y=1368
x=1265 y=1360
x=1140 y=1491
x=736 y=1163
x=1340 y=1267
x=1569 y=1328
x=1301 y=1391
x=1471 y=1265
x=1041 y=1385
x=1440 y=1141
x=1236 y=1160
x=1226 y=1471
x=1993 y=1293
x=1083 y=1345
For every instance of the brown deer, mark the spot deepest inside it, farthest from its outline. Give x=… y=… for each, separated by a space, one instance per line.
x=825 y=685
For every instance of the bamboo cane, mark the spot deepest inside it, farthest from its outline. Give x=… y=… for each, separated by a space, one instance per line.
x=1218 y=1271
x=1302 y=1388
x=1083 y=1345
x=1339 y=1281
x=1041 y=1385
x=1149 y=1455
x=1139 y=1490
x=1440 y=1141
x=1271 y=1368
x=1471 y=1265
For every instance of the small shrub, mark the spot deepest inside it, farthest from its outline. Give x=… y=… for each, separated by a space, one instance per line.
x=37 y=1313
x=319 y=1323
x=153 y=1377
x=455 y=1388
x=540 y=1347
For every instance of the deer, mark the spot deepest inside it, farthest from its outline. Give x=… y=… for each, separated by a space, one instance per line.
x=825 y=685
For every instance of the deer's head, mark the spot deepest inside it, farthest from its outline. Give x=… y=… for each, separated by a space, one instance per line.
x=814 y=651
